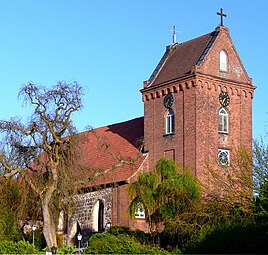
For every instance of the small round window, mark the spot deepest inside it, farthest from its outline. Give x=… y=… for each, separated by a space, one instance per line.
x=223 y=157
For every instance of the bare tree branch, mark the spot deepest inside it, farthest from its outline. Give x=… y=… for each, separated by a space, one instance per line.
x=38 y=151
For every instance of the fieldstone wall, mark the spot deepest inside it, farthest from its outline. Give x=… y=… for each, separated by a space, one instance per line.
x=81 y=218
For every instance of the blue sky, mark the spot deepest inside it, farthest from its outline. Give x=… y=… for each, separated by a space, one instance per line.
x=111 y=46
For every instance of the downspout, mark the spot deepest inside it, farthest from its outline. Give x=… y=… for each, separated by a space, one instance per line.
x=118 y=204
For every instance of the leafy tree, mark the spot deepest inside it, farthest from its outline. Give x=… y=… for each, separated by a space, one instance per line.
x=17 y=203
x=179 y=199
x=143 y=192
x=164 y=193
x=42 y=151
x=11 y=200
x=176 y=192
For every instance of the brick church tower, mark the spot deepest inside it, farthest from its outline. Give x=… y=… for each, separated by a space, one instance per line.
x=198 y=104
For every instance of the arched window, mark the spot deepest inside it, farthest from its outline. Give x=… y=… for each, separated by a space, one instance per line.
x=101 y=216
x=223 y=121
x=140 y=212
x=223 y=61
x=170 y=122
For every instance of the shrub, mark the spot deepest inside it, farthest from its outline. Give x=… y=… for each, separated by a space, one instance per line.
x=11 y=208
x=39 y=240
x=120 y=244
x=21 y=247
x=9 y=230
x=118 y=230
x=233 y=238
x=66 y=250
x=140 y=236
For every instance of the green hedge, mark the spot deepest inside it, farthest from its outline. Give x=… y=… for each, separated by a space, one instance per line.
x=21 y=247
x=140 y=236
x=235 y=238
x=120 y=244
x=66 y=250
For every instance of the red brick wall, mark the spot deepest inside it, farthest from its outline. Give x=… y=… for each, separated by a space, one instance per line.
x=120 y=210
x=154 y=130
x=120 y=206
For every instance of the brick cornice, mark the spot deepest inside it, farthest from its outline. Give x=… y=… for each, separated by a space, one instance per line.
x=215 y=78
x=200 y=80
x=173 y=86
x=220 y=84
x=168 y=83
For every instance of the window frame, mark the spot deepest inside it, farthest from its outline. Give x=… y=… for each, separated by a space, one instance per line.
x=228 y=157
x=140 y=211
x=223 y=121
x=170 y=122
x=223 y=61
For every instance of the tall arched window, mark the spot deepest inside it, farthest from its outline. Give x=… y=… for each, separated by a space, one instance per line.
x=170 y=122
x=223 y=61
x=223 y=121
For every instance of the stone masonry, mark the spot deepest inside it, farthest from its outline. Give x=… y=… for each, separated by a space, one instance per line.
x=81 y=216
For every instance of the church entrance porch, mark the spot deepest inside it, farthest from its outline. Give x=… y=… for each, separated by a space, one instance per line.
x=92 y=211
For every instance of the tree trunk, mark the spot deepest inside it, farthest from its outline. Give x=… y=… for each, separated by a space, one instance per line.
x=49 y=230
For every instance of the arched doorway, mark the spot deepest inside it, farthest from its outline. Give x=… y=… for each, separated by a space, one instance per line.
x=101 y=216
x=98 y=216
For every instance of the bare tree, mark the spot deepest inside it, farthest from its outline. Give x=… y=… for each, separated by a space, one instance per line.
x=260 y=164
x=231 y=185
x=43 y=151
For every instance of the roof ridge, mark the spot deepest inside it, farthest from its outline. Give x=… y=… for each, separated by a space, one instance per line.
x=214 y=35
x=122 y=122
x=110 y=125
x=193 y=39
x=161 y=62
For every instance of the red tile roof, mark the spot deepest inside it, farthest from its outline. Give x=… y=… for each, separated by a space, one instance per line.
x=112 y=152
x=179 y=59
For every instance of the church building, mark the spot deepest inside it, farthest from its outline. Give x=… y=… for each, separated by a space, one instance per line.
x=197 y=109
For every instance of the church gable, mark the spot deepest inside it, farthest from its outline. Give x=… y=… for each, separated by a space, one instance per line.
x=212 y=54
x=222 y=59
